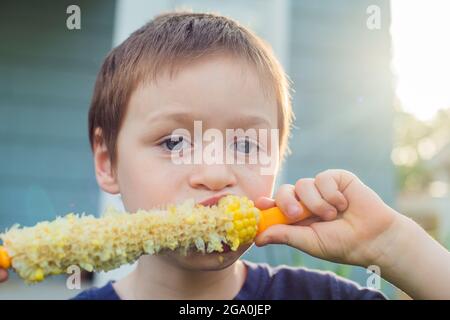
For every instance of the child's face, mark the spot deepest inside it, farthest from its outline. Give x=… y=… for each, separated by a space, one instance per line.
x=223 y=93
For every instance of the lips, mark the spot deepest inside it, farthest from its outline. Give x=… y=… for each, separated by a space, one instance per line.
x=213 y=200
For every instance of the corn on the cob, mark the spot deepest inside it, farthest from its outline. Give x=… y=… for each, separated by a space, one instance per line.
x=115 y=239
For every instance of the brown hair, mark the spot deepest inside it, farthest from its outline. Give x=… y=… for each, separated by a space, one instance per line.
x=163 y=44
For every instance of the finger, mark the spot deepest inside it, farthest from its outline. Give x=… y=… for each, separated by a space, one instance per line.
x=312 y=199
x=264 y=203
x=3 y=275
x=307 y=221
x=288 y=202
x=302 y=238
x=329 y=190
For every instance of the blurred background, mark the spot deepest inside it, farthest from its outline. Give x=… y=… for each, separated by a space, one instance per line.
x=371 y=81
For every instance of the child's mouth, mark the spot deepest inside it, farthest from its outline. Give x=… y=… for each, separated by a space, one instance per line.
x=213 y=200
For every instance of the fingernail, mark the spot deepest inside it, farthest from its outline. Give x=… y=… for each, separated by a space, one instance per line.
x=293 y=210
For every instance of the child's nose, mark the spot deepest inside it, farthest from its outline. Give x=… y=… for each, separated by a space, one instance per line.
x=212 y=177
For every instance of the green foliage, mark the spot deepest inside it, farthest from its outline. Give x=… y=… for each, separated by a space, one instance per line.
x=410 y=134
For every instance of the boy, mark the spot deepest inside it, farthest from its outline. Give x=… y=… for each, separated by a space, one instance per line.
x=187 y=67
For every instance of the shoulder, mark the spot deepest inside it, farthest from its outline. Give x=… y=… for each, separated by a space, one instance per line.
x=106 y=292
x=285 y=282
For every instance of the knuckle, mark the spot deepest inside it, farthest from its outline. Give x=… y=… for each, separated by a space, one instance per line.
x=285 y=187
x=335 y=198
x=321 y=206
x=284 y=194
x=286 y=239
x=303 y=183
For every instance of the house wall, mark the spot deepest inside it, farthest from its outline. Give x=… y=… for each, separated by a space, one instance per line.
x=47 y=74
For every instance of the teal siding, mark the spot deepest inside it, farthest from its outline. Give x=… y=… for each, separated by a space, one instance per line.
x=47 y=74
x=343 y=101
x=343 y=95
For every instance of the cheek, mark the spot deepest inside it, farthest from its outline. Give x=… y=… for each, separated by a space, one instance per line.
x=254 y=184
x=148 y=181
x=264 y=188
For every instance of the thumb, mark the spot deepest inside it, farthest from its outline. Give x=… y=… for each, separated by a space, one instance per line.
x=301 y=237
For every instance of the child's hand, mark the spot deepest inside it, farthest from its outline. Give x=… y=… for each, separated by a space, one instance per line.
x=352 y=225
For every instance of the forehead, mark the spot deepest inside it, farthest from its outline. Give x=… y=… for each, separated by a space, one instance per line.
x=219 y=89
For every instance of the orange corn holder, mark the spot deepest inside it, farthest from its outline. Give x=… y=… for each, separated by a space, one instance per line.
x=274 y=215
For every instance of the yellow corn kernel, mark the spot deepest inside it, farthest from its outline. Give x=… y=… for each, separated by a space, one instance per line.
x=190 y=220
x=238 y=224
x=238 y=215
x=38 y=275
x=234 y=206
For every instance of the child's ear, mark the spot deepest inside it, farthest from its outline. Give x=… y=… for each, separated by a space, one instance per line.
x=106 y=176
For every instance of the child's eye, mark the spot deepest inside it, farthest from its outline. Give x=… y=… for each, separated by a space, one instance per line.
x=175 y=143
x=246 y=145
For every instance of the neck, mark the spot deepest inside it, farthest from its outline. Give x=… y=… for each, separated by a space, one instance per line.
x=156 y=278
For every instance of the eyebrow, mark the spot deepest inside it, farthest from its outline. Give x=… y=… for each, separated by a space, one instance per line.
x=187 y=119
x=251 y=120
x=172 y=116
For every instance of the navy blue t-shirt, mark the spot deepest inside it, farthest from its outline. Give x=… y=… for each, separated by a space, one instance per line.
x=264 y=282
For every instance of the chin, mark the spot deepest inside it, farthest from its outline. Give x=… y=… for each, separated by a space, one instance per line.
x=197 y=261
